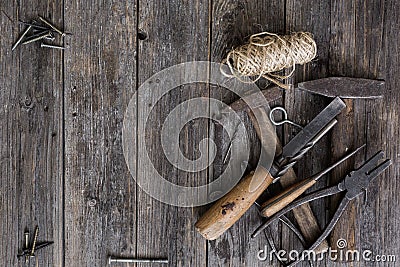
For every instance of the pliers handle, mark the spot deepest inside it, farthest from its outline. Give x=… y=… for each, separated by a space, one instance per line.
x=353 y=184
x=310 y=197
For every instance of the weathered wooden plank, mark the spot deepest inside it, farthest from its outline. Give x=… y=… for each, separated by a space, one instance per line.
x=232 y=23
x=10 y=140
x=387 y=212
x=355 y=50
x=31 y=138
x=348 y=134
x=311 y=16
x=100 y=75
x=177 y=31
x=230 y=251
x=100 y=79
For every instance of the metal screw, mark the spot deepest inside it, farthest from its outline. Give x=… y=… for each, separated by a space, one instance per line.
x=52 y=26
x=40 y=37
x=22 y=37
x=26 y=234
x=34 y=241
x=132 y=260
x=52 y=46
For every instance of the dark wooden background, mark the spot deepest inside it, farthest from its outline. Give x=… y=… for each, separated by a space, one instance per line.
x=61 y=115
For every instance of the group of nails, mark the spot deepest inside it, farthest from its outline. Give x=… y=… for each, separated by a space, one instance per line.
x=43 y=32
x=28 y=251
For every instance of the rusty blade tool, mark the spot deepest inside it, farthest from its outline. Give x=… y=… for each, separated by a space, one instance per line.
x=307 y=138
x=312 y=129
x=354 y=184
x=219 y=218
x=345 y=87
x=277 y=203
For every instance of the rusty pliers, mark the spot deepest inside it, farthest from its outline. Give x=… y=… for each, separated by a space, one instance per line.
x=354 y=184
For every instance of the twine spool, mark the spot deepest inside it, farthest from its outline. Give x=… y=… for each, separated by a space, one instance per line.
x=266 y=53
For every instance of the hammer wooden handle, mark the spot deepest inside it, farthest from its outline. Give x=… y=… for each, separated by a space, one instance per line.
x=275 y=204
x=227 y=210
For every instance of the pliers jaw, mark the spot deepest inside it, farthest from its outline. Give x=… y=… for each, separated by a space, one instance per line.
x=356 y=182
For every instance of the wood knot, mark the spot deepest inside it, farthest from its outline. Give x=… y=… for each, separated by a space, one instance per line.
x=92 y=202
x=27 y=104
x=142 y=35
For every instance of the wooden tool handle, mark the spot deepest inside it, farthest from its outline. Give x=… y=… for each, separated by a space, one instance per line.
x=275 y=204
x=303 y=214
x=227 y=210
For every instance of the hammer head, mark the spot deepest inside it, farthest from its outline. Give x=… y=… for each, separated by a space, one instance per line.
x=345 y=87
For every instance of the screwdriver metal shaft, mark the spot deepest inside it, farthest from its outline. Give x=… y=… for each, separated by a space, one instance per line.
x=279 y=169
x=279 y=202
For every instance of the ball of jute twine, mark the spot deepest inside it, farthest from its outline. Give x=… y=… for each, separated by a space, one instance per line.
x=266 y=53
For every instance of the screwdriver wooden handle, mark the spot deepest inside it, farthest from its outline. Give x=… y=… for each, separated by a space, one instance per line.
x=227 y=210
x=275 y=204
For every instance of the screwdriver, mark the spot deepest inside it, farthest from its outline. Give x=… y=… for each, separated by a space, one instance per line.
x=275 y=204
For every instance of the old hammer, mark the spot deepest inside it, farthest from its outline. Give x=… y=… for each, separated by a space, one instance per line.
x=212 y=223
x=211 y=227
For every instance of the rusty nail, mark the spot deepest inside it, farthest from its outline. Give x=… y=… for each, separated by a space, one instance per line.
x=52 y=26
x=40 y=37
x=22 y=37
x=52 y=46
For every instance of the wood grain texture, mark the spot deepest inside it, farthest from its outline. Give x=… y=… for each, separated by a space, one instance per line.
x=100 y=79
x=312 y=16
x=232 y=23
x=179 y=29
x=10 y=142
x=31 y=138
x=362 y=128
x=357 y=41
x=388 y=67
x=61 y=115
